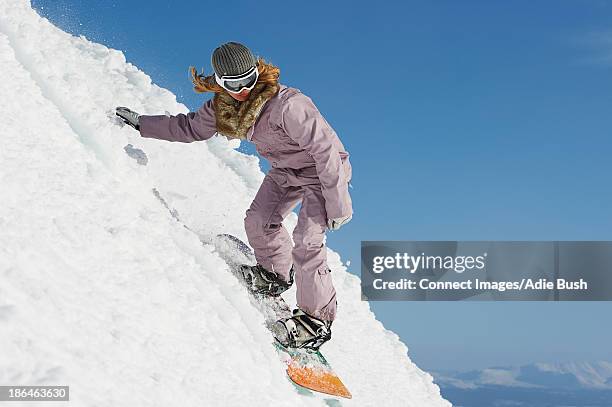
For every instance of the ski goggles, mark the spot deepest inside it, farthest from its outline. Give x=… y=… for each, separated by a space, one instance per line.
x=237 y=83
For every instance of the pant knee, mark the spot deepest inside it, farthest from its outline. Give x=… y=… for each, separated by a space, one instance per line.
x=311 y=238
x=256 y=225
x=253 y=223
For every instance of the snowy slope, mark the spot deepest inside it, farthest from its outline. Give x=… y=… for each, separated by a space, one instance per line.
x=101 y=288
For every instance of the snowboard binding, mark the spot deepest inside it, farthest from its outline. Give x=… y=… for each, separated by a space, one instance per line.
x=263 y=282
x=302 y=331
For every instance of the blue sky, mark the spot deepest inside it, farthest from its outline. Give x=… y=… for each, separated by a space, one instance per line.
x=465 y=120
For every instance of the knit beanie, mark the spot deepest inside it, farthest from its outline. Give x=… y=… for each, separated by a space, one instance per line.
x=232 y=58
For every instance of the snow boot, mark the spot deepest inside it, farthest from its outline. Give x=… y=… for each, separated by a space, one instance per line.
x=261 y=281
x=302 y=331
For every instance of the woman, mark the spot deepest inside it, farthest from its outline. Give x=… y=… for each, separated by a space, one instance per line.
x=309 y=165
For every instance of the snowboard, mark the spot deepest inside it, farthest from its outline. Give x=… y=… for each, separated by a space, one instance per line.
x=307 y=369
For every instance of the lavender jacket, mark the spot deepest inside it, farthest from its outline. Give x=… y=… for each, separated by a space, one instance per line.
x=290 y=133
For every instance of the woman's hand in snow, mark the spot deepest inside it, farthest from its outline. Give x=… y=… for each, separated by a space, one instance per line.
x=128 y=116
x=337 y=223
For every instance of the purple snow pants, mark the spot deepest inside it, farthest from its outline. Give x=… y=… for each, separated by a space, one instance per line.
x=273 y=249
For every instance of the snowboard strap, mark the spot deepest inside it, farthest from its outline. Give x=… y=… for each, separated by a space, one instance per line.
x=318 y=333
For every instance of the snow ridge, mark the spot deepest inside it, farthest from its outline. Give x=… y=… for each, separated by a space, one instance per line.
x=101 y=288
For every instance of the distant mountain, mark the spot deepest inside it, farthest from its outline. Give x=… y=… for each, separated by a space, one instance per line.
x=581 y=384
x=578 y=375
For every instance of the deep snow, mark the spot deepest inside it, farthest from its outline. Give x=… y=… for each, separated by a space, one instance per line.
x=101 y=288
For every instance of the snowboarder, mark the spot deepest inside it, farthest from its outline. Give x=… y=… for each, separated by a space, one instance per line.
x=309 y=165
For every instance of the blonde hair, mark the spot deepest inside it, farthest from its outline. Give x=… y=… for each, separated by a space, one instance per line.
x=268 y=74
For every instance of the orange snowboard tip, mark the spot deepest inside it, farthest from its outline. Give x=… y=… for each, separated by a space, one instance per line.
x=320 y=380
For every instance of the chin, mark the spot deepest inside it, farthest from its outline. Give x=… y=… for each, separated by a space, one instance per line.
x=240 y=98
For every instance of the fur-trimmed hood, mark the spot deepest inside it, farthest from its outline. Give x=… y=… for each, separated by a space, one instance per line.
x=234 y=118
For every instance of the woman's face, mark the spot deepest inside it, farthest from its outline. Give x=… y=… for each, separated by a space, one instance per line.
x=242 y=96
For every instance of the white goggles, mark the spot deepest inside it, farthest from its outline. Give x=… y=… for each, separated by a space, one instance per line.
x=237 y=83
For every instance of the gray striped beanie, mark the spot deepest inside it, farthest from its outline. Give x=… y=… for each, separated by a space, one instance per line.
x=232 y=58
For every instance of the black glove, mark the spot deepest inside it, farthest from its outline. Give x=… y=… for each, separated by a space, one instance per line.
x=128 y=116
